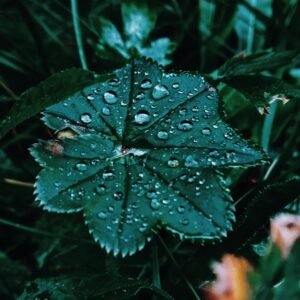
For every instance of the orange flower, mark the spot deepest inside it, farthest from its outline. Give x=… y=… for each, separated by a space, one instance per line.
x=232 y=281
x=285 y=230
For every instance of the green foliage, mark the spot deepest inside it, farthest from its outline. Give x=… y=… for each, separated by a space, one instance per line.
x=138 y=22
x=276 y=277
x=90 y=286
x=247 y=49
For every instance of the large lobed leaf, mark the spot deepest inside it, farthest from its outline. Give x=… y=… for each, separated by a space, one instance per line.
x=143 y=153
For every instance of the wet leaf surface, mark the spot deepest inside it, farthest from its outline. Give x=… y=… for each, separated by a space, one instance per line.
x=144 y=153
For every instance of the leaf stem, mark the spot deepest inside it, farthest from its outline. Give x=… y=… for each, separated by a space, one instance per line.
x=267 y=126
x=155 y=265
x=77 y=31
x=183 y=276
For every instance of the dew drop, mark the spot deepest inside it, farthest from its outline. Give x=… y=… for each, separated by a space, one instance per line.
x=106 y=111
x=206 y=131
x=108 y=175
x=114 y=82
x=173 y=163
x=175 y=85
x=151 y=194
x=228 y=135
x=86 y=118
x=190 y=162
x=100 y=189
x=90 y=97
x=142 y=117
x=140 y=96
x=155 y=204
x=183 y=111
x=181 y=209
x=102 y=215
x=163 y=135
x=210 y=96
x=185 y=222
x=160 y=91
x=146 y=84
x=118 y=196
x=110 y=97
x=185 y=125
x=81 y=166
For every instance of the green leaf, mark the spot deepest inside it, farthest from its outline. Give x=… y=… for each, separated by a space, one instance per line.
x=12 y=277
x=159 y=50
x=138 y=21
x=54 y=89
x=263 y=90
x=91 y=286
x=250 y=30
x=258 y=62
x=110 y=40
x=268 y=200
x=144 y=153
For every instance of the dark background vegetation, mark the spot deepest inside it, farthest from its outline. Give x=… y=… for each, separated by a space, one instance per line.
x=37 y=39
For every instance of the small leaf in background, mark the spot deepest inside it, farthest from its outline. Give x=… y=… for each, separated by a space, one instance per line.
x=263 y=90
x=110 y=41
x=249 y=28
x=138 y=21
x=143 y=156
x=243 y=64
x=258 y=209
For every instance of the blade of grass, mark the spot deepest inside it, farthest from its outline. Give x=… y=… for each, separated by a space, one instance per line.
x=42 y=232
x=183 y=276
x=77 y=31
x=267 y=127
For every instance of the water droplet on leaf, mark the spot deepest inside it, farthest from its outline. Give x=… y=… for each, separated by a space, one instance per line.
x=163 y=135
x=106 y=111
x=118 y=196
x=146 y=84
x=90 y=97
x=160 y=91
x=173 y=163
x=86 y=118
x=185 y=125
x=206 y=131
x=110 y=97
x=102 y=215
x=142 y=117
x=100 y=189
x=140 y=96
x=81 y=166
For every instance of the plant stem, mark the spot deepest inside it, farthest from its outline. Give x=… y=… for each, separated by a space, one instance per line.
x=267 y=127
x=78 y=36
x=171 y=257
x=155 y=265
x=250 y=35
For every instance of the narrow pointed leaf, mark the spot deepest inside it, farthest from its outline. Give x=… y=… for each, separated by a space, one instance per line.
x=54 y=89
